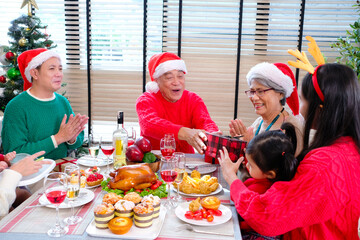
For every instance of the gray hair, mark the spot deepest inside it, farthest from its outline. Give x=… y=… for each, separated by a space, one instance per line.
x=261 y=79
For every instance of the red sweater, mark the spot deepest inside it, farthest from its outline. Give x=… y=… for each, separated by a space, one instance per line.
x=321 y=202
x=157 y=117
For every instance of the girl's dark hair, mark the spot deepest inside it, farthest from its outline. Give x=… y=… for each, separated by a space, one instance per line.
x=339 y=114
x=274 y=151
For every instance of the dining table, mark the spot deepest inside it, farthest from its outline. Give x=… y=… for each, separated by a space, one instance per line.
x=29 y=222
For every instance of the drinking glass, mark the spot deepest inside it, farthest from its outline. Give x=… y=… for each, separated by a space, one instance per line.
x=168 y=145
x=55 y=187
x=131 y=136
x=180 y=168
x=107 y=148
x=168 y=174
x=73 y=189
x=93 y=149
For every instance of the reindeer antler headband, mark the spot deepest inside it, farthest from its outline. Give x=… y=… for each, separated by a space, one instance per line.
x=303 y=62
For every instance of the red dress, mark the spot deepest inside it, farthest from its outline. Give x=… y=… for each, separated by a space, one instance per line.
x=321 y=202
x=157 y=117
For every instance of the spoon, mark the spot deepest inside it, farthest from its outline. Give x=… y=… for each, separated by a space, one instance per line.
x=192 y=229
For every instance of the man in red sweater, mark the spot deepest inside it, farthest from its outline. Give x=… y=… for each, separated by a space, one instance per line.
x=166 y=107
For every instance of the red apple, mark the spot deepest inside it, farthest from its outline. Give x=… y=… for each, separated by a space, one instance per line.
x=144 y=144
x=134 y=154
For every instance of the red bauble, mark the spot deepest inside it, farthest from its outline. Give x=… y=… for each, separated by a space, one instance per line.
x=2 y=79
x=9 y=56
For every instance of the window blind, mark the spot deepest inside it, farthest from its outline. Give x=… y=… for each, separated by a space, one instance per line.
x=205 y=33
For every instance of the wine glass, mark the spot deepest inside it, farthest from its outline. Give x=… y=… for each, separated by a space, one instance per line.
x=93 y=149
x=180 y=168
x=167 y=145
x=73 y=188
x=131 y=136
x=168 y=174
x=107 y=148
x=55 y=186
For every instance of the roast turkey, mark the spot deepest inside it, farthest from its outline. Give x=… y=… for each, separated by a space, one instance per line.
x=138 y=176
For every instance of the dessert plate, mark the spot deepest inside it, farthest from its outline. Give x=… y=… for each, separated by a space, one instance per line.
x=84 y=197
x=184 y=207
x=202 y=167
x=199 y=195
x=134 y=233
x=89 y=161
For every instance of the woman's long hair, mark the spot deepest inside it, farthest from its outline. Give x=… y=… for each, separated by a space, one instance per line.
x=339 y=114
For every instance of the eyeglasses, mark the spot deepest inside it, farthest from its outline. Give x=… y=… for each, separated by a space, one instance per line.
x=259 y=93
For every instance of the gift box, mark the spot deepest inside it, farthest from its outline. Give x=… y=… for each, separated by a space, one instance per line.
x=216 y=142
x=62 y=163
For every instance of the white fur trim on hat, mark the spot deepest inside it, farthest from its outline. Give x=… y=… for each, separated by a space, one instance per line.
x=270 y=71
x=169 y=66
x=152 y=87
x=38 y=60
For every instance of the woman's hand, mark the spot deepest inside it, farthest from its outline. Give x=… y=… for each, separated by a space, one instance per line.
x=229 y=168
x=194 y=137
x=238 y=128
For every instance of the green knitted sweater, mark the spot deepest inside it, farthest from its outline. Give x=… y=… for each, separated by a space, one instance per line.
x=29 y=123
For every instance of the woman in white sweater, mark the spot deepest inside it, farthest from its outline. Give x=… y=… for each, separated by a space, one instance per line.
x=12 y=176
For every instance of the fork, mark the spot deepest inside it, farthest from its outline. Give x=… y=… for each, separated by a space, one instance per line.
x=192 y=229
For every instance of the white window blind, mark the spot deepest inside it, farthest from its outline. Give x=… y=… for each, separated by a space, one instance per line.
x=208 y=44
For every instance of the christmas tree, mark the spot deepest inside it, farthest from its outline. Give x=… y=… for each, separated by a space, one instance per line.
x=26 y=32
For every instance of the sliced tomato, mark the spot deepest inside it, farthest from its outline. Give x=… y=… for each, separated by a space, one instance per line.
x=198 y=216
x=217 y=212
x=189 y=215
x=210 y=218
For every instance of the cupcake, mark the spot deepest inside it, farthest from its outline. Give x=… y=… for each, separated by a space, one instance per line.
x=133 y=197
x=111 y=198
x=103 y=214
x=143 y=215
x=124 y=208
x=155 y=202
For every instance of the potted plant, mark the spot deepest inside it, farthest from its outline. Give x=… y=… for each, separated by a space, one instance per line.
x=349 y=47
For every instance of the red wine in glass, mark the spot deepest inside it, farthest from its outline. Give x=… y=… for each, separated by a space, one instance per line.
x=56 y=196
x=107 y=150
x=167 y=152
x=169 y=175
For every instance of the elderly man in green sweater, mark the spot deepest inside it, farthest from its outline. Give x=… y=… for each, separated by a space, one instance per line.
x=39 y=118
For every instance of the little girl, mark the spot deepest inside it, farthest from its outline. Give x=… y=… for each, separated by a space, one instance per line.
x=270 y=158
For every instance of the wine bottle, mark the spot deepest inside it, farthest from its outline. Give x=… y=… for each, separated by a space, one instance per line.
x=120 y=141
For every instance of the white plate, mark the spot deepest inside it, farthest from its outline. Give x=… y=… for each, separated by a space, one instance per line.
x=200 y=195
x=134 y=233
x=33 y=178
x=89 y=161
x=203 y=167
x=84 y=197
x=184 y=207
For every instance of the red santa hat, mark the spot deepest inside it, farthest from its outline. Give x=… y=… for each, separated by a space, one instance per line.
x=31 y=59
x=281 y=75
x=160 y=64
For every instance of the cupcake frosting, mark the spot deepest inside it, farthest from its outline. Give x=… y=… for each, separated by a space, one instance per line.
x=150 y=199
x=133 y=197
x=143 y=208
x=124 y=205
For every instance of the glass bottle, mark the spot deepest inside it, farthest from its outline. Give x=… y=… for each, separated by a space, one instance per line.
x=120 y=141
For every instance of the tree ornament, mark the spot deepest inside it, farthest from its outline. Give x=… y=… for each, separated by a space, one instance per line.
x=30 y=4
x=23 y=42
x=2 y=79
x=13 y=73
x=10 y=56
